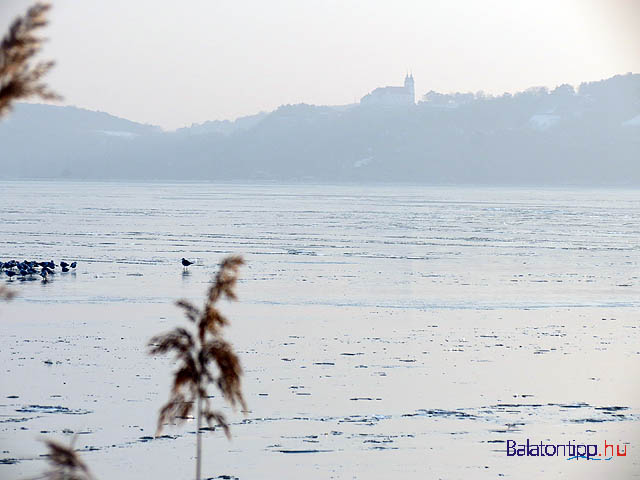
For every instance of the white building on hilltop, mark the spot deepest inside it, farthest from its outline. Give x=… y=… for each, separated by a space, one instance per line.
x=392 y=96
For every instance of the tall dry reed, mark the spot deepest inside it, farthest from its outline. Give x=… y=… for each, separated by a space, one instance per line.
x=20 y=77
x=65 y=463
x=5 y=293
x=197 y=351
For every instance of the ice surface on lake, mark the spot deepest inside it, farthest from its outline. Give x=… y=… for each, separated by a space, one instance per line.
x=385 y=331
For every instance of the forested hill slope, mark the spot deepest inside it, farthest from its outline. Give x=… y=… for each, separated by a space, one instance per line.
x=586 y=136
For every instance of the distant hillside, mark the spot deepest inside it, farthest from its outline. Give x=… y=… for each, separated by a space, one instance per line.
x=587 y=136
x=45 y=141
x=224 y=127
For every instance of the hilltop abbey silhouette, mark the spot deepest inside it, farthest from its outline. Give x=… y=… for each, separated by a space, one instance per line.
x=392 y=96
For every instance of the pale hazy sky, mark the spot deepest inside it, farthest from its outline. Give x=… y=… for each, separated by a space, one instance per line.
x=173 y=63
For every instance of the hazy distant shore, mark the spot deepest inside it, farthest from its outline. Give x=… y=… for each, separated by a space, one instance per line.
x=588 y=136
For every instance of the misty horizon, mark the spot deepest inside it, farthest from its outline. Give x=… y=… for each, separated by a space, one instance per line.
x=539 y=136
x=419 y=98
x=168 y=64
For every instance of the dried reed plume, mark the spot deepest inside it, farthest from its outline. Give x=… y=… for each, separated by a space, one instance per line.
x=195 y=352
x=20 y=79
x=6 y=294
x=65 y=463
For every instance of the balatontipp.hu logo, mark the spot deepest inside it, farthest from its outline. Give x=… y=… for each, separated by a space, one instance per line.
x=571 y=450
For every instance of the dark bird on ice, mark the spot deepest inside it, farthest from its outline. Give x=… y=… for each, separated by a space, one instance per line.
x=186 y=263
x=73 y=264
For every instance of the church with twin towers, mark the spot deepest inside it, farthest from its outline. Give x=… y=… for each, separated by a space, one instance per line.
x=392 y=96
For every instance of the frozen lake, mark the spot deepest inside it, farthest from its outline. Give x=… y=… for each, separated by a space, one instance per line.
x=385 y=331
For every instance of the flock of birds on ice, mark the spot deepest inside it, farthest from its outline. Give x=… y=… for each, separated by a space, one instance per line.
x=27 y=269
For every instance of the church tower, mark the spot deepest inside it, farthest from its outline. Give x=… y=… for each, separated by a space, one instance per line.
x=409 y=87
x=392 y=96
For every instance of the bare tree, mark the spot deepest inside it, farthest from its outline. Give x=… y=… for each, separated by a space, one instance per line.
x=196 y=352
